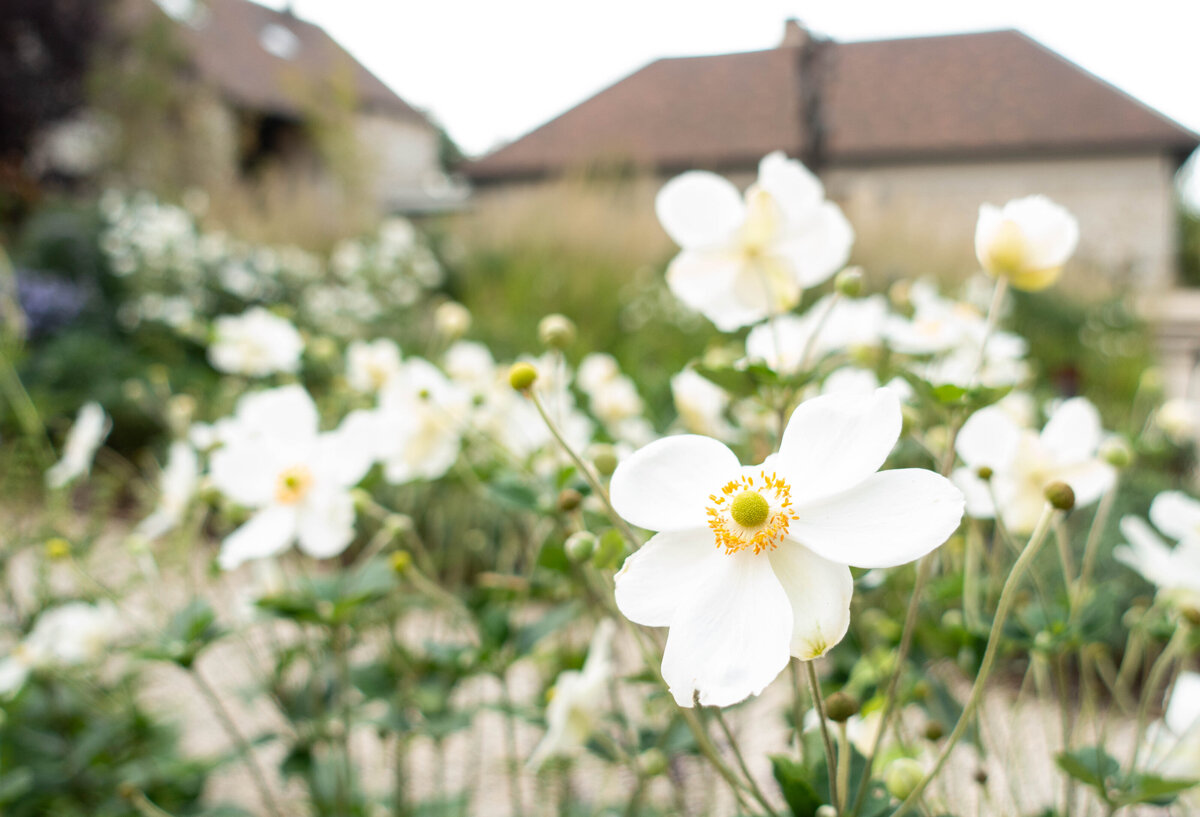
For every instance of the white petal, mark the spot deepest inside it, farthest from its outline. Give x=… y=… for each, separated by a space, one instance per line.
x=989 y=438
x=325 y=524
x=266 y=533
x=836 y=441
x=706 y=280
x=12 y=676
x=793 y=186
x=893 y=517
x=1176 y=514
x=659 y=577
x=819 y=247
x=699 y=209
x=1145 y=553
x=666 y=485
x=819 y=591
x=1073 y=433
x=731 y=637
x=349 y=452
x=1183 y=710
x=1051 y=232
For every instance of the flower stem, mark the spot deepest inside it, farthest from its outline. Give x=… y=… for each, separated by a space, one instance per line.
x=830 y=758
x=1157 y=670
x=741 y=761
x=238 y=739
x=1099 y=522
x=586 y=471
x=1007 y=598
x=843 y=767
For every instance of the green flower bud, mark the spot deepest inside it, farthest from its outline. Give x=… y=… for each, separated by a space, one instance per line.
x=323 y=349
x=1060 y=496
x=984 y=473
x=840 y=706
x=902 y=777
x=604 y=457
x=934 y=731
x=522 y=376
x=849 y=282
x=653 y=762
x=58 y=548
x=569 y=499
x=398 y=523
x=1117 y=452
x=400 y=561
x=1191 y=615
x=556 y=331
x=580 y=546
x=610 y=550
x=825 y=810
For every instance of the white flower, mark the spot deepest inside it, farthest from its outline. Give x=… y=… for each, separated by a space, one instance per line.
x=297 y=479
x=420 y=422
x=1178 y=418
x=1024 y=462
x=176 y=487
x=452 y=319
x=849 y=324
x=743 y=260
x=1027 y=241
x=67 y=635
x=750 y=564
x=1175 y=571
x=701 y=405
x=89 y=431
x=849 y=380
x=1176 y=751
x=578 y=699
x=255 y=343
x=371 y=365
x=471 y=364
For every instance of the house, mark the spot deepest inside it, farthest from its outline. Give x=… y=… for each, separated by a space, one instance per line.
x=909 y=135
x=269 y=76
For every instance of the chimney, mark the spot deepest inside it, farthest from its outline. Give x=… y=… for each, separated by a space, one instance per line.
x=795 y=34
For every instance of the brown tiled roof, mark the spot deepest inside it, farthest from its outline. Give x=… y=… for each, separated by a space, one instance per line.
x=965 y=95
x=224 y=44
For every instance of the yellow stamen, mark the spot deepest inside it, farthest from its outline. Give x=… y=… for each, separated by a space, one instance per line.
x=751 y=513
x=293 y=484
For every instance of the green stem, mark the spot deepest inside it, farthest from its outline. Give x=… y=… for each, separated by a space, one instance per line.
x=585 y=470
x=741 y=761
x=1099 y=521
x=1007 y=598
x=830 y=758
x=1157 y=670
x=924 y=568
x=843 y=767
x=243 y=746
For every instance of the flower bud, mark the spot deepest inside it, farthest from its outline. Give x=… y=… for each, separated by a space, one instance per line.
x=840 y=706
x=580 y=545
x=653 y=762
x=1060 y=496
x=323 y=349
x=569 y=499
x=902 y=777
x=57 y=548
x=849 y=282
x=1190 y=614
x=400 y=561
x=981 y=776
x=604 y=457
x=452 y=320
x=556 y=331
x=934 y=731
x=610 y=549
x=984 y=472
x=398 y=523
x=522 y=376
x=825 y=810
x=1117 y=452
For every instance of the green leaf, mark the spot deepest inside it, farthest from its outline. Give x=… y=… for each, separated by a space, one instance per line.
x=1091 y=766
x=1152 y=789
x=792 y=776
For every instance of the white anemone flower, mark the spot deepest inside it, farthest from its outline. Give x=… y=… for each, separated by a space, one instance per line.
x=256 y=343
x=420 y=422
x=1027 y=241
x=701 y=405
x=1023 y=462
x=577 y=698
x=296 y=479
x=1175 y=571
x=839 y=325
x=70 y=634
x=176 y=486
x=371 y=365
x=751 y=564
x=471 y=364
x=744 y=259
x=90 y=429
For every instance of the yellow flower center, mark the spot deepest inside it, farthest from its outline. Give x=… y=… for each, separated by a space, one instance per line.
x=751 y=513
x=293 y=484
x=1008 y=250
